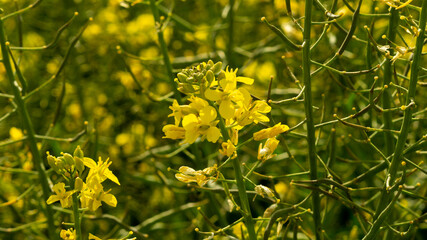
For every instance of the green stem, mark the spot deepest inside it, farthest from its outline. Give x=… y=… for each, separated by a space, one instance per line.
x=28 y=125
x=387 y=118
x=76 y=214
x=164 y=48
x=311 y=138
x=230 y=47
x=405 y=127
x=244 y=200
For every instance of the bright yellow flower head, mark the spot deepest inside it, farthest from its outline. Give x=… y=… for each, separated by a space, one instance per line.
x=99 y=171
x=270 y=132
x=69 y=234
x=203 y=125
x=61 y=195
x=201 y=177
x=229 y=97
x=92 y=196
x=188 y=175
x=228 y=149
x=266 y=152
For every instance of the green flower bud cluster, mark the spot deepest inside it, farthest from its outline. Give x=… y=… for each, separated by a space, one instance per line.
x=67 y=163
x=193 y=80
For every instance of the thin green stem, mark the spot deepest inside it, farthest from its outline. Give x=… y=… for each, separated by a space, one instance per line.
x=386 y=195
x=311 y=138
x=31 y=139
x=76 y=214
x=392 y=29
x=230 y=46
x=244 y=200
x=163 y=47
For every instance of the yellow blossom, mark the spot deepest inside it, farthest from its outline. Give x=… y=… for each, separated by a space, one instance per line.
x=204 y=125
x=228 y=149
x=92 y=196
x=69 y=234
x=270 y=132
x=229 y=96
x=61 y=195
x=173 y=132
x=266 y=152
x=201 y=177
x=15 y=133
x=99 y=171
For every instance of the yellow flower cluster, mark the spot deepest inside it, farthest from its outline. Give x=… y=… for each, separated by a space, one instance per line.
x=91 y=193
x=200 y=118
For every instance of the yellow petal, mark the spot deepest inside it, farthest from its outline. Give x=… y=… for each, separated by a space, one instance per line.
x=89 y=162
x=213 y=134
x=110 y=199
x=226 y=109
x=207 y=114
x=213 y=95
x=245 y=80
x=52 y=199
x=109 y=174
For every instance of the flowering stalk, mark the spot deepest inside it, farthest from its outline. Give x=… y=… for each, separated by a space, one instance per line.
x=31 y=139
x=76 y=214
x=309 y=114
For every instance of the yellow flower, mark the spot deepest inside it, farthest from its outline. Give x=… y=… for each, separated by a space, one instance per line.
x=92 y=196
x=270 y=132
x=15 y=133
x=61 y=195
x=266 y=152
x=204 y=124
x=201 y=177
x=69 y=234
x=173 y=132
x=229 y=94
x=228 y=149
x=188 y=175
x=253 y=112
x=176 y=112
x=99 y=171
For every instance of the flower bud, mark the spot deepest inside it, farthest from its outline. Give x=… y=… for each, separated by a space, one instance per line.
x=78 y=152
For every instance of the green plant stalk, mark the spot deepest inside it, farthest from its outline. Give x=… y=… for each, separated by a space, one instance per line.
x=387 y=116
x=31 y=139
x=405 y=127
x=311 y=138
x=230 y=46
x=244 y=200
x=164 y=48
x=76 y=214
